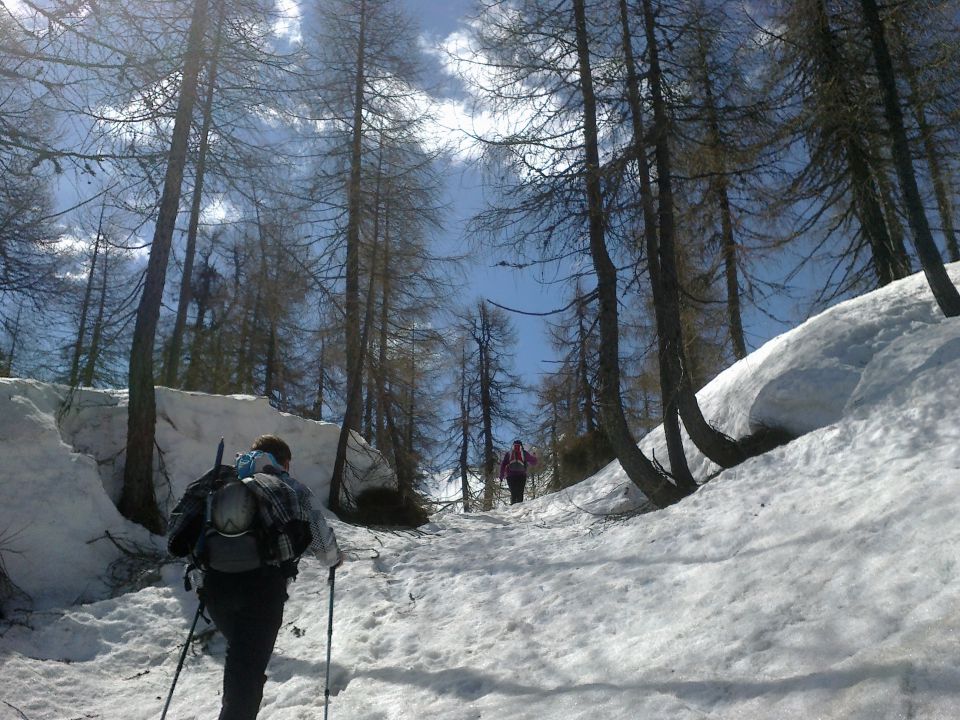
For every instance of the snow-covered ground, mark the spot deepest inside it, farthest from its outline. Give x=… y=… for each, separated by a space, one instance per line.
x=817 y=581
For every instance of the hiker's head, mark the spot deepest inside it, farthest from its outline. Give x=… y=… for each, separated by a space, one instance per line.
x=517 y=445
x=276 y=447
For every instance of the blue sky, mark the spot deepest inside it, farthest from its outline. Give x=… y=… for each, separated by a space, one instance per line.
x=439 y=18
x=511 y=288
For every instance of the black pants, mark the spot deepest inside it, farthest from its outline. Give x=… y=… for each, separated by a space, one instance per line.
x=248 y=609
x=516 y=485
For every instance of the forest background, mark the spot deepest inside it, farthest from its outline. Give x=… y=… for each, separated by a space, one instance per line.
x=339 y=204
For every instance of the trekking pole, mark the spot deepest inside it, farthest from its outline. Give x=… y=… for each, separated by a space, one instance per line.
x=326 y=689
x=183 y=656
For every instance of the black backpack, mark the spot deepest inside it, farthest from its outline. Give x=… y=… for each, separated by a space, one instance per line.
x=235 y=533
x=234 y=524
x=234 y=537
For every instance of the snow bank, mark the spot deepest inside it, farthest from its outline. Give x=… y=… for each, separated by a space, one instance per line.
x=812 y=376
x=53 y=507
x=64 y=460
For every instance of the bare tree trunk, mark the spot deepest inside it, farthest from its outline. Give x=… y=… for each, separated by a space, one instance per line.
x=938 y=177
x=368 y=313
x=352 y=300
x=679 y=468
x=411 y=394
x=176 y=340
x=943 y=289
x=554 y=443
x=340 y=461
x=14 y=336
x=352 y=330
x=385 y=301
x=464 y=431
x=722 y=193
x=901 y=259
x=270 y=363
x=583 y=367
x=267 y=234
x=404 y=467
x=89 y=368
x=940 y=186
x=486 y=404
x=321 y=382
x=371 y=373
x=639 y=469
x=84 y=308
x=138 y=499
x=714 y=444
x=193 y=369
x=866 y=196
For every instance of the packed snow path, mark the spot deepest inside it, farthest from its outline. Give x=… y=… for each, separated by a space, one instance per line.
x=722 y=608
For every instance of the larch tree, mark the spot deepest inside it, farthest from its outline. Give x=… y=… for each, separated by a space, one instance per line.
x=492 y=336
x=364 y=97
x=138 y=498
x=829 y=119
x=945 y=292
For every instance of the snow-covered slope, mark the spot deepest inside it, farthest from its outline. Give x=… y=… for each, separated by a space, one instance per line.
x=817 y=581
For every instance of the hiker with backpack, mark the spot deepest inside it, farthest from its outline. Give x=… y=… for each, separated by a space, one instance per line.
x=514 y=465
x=245 y=527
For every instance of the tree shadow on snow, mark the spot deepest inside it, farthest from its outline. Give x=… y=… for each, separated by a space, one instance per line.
x=470 y=685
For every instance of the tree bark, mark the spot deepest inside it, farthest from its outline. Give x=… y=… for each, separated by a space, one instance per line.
x=385 y=305
x=464 y=431
x=172 y=368
x=321 y=383
x=639 y=469
x=84 y=308
x=676 y=454
x=352 y=300
x=14 y=336
x=90 y=366
x=715 y=445
x=721 y=188
x=372 y=385
x=486 y=403
x=191 y=381
x=138 y=498
x=583 y=368
x=943 y=289
x=352 y=330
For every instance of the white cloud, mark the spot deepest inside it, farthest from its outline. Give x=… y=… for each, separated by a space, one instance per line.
x=287 y=24
x=218 y=210
x=16 y=8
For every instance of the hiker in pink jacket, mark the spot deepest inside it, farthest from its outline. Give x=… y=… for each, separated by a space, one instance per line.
x=514 y=465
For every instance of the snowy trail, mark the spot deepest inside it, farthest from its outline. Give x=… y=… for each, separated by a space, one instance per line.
x=817 y=581
x=716 y=609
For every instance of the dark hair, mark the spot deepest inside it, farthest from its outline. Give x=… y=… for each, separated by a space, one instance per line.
x=275 y=446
